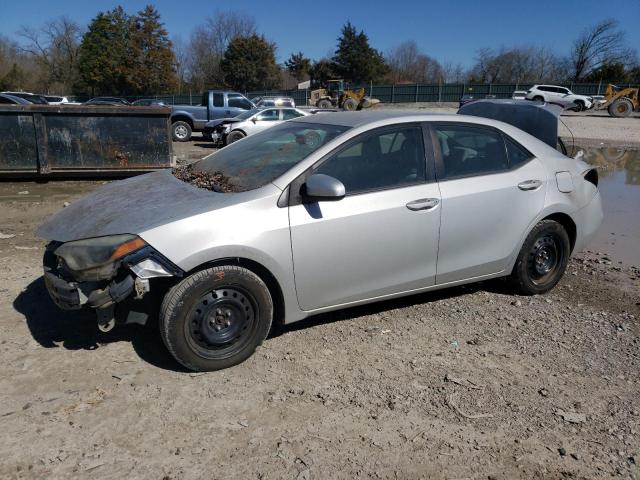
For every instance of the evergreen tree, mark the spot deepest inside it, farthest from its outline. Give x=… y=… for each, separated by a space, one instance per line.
x=355 y=60
x=152 y=54
x=298 y=66
x=104 y=61
x=249 y=63
x=321 y=71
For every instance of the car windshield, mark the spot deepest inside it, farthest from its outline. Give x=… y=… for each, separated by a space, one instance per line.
x=261 y=158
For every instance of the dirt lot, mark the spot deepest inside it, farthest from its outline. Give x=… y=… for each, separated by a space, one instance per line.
x=472 y=382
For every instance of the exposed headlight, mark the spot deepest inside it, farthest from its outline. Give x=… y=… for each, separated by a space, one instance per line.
x=95 y=252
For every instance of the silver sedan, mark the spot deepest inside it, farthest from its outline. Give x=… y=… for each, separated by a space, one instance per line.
x=317 y=214
x=253 y=121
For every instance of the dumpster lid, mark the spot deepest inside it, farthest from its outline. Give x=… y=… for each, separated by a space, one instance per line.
x=537 y=119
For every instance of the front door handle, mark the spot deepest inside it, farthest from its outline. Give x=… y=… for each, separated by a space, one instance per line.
x=529 y=185
x=423 y=204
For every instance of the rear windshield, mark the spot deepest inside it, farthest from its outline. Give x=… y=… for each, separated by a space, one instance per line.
x=261 y=158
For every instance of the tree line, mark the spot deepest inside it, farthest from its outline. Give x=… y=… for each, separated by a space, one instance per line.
x=121 y=53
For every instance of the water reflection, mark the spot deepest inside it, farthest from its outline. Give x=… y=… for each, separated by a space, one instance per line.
x=614 y=159
x=619 y=173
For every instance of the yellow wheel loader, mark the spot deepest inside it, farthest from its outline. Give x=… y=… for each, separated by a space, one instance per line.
x=336 y=96
x=620 y=102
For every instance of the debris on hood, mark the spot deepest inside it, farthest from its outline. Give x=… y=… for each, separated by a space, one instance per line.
x=216 y=181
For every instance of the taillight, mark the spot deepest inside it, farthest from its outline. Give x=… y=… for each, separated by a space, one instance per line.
x=592 y=176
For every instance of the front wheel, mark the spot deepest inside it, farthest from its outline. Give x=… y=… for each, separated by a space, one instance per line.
x=216 y=318
x=542 y=259
x=235 y=136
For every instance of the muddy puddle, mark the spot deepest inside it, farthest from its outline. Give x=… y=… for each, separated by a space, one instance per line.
x=619 y=173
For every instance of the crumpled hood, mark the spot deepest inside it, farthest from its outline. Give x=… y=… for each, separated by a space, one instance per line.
x=131 y=206
x=214 y=123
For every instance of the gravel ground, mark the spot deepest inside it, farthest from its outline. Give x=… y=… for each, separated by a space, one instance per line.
x=471 y=382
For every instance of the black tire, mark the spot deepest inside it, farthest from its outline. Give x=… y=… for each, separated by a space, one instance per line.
x=350 y=105
x=538 y=98
x=235 y=136
x=216 y=318
x=620 y=108
x=579 y=106
x=181 y=131
x=207 y=136
x=324 y=103
x=542 y=259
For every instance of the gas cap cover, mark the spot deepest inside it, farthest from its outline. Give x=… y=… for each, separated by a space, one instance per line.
x=565 y=182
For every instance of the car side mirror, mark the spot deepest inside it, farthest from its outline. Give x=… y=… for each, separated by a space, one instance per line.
x=323 y=187
x=254 y=119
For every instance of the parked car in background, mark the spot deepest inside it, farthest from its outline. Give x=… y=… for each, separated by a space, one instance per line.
x=519 y=95
x=149 y=102
x=231 y=130
x=560 y=95
x=7 y=99
x=113 y=101
x=215 y=104
x=30 y=97
x=357 y=204
x=274 y=102
x=56 y=100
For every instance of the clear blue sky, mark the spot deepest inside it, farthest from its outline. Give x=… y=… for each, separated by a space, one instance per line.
x=449 y=31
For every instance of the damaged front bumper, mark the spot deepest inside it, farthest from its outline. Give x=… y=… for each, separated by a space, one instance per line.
x=128 y=288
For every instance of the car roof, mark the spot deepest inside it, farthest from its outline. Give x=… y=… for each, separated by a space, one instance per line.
x=364 y=117
x=17 y=100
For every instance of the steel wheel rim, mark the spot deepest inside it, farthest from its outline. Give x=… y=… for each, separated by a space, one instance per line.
x=181 y=132
x=545 y=257
x=221 y=321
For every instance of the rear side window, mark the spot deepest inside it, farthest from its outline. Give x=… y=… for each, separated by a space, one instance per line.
x=218 y=100
x=518 y=155
x=289 y=114
x=469 y=151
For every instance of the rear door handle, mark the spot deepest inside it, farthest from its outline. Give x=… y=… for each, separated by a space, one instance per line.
x=423 y=204
x=530 y=185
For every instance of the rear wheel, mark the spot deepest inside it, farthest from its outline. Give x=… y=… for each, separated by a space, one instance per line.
x=621 y=107
x=324 y=103
x=216 y=318
x=542 y=259
x=235 y=136
x=181 y=131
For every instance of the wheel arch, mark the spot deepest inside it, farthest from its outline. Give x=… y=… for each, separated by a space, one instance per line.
x=261 y=271
x=181 y=117
x=567 y=223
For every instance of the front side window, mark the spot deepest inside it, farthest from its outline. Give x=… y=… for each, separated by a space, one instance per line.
x=468 y=151
x=269 y=116
x=238 y=101
x=387 y=159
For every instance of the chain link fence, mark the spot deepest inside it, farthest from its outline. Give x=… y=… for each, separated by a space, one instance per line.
x=405 y=93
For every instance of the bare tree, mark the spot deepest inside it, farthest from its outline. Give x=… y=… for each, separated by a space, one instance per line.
x=55 y=47
x=524 y=64
x=407 y=63
x=208 y=43
x=598 y=45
